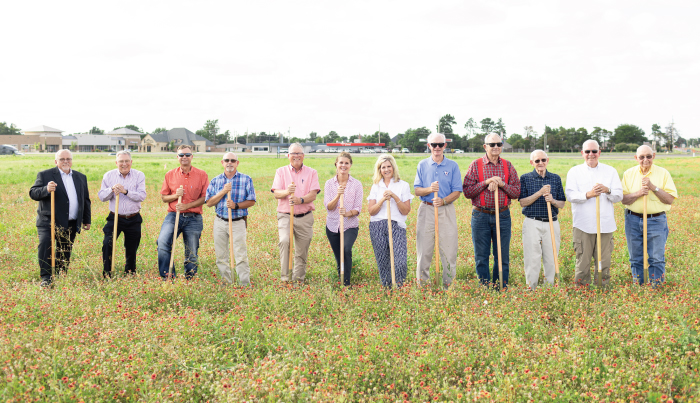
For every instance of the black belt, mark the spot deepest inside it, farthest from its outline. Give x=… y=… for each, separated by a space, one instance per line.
x=648 y=215
x=300 y=215
x=188 y=214
x=554 y=218
x=124 y=215
x=234 y=219
x=489 y=211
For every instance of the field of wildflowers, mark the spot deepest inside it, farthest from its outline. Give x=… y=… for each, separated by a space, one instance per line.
x=140 y=339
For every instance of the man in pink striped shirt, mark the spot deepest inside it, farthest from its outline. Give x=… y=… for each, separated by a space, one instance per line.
x=295 y=185
x=131 y=185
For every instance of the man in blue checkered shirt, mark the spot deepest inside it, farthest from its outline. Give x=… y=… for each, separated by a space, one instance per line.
x=232 y=192
x=536 y=189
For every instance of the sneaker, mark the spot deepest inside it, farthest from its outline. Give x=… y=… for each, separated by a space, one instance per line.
x=45 y=283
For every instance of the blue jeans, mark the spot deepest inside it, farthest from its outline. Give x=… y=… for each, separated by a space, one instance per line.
x=191 y=229
x=657 y=233
x=483 y=236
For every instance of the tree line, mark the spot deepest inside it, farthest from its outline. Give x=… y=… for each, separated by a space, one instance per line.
x=625 y=137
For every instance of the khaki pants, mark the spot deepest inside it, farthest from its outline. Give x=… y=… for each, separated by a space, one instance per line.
x=303 y=232
x=585 y=248
x=537 y=250
x=240 y=251
x=425 y=242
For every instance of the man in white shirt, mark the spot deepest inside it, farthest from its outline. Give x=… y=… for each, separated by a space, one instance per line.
x=584 y=183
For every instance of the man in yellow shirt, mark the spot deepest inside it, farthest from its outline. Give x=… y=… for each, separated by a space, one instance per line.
x=656 y=183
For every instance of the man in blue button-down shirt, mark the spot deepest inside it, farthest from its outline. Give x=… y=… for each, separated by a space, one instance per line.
x=536 y=189
x=240 y=187
x=441 y=175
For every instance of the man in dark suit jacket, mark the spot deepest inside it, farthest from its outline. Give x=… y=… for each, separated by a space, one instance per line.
x=72 y=209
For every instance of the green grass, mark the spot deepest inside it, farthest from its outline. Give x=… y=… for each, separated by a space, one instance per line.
x=140 y=339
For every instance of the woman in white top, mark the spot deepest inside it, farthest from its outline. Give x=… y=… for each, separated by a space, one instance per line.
x=388 y=186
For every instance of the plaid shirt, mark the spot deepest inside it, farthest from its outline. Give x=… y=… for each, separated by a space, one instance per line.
x=531 y=183
x=241 y=190
x=473 y=188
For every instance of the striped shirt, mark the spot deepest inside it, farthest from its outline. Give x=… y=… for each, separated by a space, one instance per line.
x=531 y=183
x=351 y=201
x=241 y=190
x=473 y=188
x=134 y=183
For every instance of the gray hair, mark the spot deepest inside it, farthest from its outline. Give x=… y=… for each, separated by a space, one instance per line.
x=297 y=145
x=590 y=141
x=63 y=150
x=486 y=139
x=532 y=154
x=433 y=135
x=123 y=152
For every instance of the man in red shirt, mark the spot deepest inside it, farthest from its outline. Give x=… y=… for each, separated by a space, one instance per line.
x=190 y=183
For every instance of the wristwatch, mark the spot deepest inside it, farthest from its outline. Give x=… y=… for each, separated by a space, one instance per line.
x=302 y=200
x=127 y=192
x=656 y=190
x=236 y=208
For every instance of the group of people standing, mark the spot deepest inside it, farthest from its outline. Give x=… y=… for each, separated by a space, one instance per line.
x=491 y=183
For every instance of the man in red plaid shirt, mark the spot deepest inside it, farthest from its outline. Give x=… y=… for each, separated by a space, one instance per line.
x=483 y=177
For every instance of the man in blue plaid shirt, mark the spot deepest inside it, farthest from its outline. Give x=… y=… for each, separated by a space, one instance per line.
x=536 y=189
x=242 y=196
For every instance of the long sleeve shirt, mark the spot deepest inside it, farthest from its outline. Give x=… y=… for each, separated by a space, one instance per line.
x=582 y=179
x=134 y=183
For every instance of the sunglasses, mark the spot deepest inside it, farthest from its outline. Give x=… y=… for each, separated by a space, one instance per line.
x=185 y=155
x=65 y=159
x=641 y=157
x=591 y=151
x=229 y=160
x=436 y=145
x=542 y=160
x=492 y=145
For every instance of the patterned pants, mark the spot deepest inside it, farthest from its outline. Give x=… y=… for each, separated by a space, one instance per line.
x=379 y=233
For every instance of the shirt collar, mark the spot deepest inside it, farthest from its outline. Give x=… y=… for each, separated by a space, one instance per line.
x=432 y=161
x=70 y=173
x=651 y=169
x=546 y=173
x=486 y=160
x=291 y=168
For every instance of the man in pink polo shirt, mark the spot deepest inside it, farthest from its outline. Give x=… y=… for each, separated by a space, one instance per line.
x=295 y=184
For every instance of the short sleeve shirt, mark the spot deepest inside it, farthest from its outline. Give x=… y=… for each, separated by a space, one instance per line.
x=401 y=189
x=446 y=173
x=241 y=190
x=194 y=183
x=632 y=182
x=306 y=180
x=531 y=183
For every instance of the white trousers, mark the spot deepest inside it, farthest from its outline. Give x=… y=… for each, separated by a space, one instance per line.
x=537 y=250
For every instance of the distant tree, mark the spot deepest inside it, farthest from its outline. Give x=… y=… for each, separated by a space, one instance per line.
x=96 y=130
x=159 y=130
x=656 y=133
x=470 y=126
x=332 y=137
x=11 y=129
x=519 y=142
x=626 y=133
x=313 y=136
x=500 y=128
x=73 y=145
x=319 y=140
x=130 y=127
x=487 y=125
x=412 y=137
x=445 y=124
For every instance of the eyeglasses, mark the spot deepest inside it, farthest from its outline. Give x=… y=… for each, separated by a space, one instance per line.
x=296 y=154
x=65 y=159
x=492 y=145
x=538 y=161
x=185 y=155
x=591 y=151
x=229 y=160
x=641 y=157
x=436 y=145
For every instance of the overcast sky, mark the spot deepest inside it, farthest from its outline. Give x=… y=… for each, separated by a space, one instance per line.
x=349 y=66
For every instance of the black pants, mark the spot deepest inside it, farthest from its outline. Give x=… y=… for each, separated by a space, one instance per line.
x=64 y=245
x=131 y=228
x=334 y=240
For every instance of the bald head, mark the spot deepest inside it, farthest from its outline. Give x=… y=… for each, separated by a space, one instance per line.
x=230 y=156
x=492 y=138
x=644 y=149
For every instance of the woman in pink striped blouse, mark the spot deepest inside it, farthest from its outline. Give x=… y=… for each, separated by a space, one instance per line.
x=343 y=184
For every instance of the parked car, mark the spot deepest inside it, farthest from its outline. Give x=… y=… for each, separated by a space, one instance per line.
x=368 y=151
x=7 y=149
x=395 y=151
x=284 y=151
x=405 y=150
x=458 y=151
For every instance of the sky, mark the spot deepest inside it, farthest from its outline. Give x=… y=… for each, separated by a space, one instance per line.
x=351 y=67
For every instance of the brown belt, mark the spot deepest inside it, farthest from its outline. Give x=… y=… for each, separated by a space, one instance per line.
x=648 y=215
x=486 y=211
